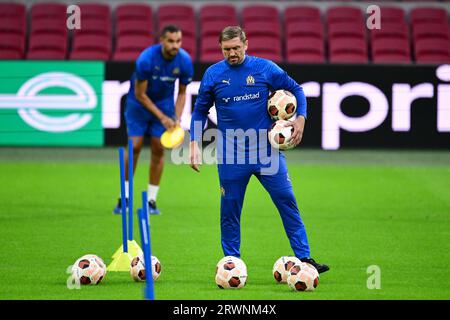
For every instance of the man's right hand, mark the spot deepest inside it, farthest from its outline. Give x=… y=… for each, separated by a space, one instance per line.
x=194 y=156
x=168 y=123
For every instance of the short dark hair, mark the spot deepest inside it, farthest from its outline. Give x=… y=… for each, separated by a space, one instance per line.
x=171 y=28
x=232 y=32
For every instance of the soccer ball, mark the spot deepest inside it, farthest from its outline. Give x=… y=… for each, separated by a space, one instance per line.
x=282 y=266
x=281 y=105
x=231 y=273
x=280 y=136
x=303 y=277
x=89 y=269
x=310 y=268
x=137 y=269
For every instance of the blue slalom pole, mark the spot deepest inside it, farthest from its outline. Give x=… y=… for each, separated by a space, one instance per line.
x=146 y=245
x=123 y=198
x=130 y=190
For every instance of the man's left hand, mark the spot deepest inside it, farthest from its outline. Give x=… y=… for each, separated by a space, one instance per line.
x=298 y=125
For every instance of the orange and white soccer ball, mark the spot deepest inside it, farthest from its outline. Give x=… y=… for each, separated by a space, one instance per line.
x=281 y=105
x=89 y=269
x=280 y=135
x=137 y=268
x=303 y=277
x=231 y=273
x=282 y=266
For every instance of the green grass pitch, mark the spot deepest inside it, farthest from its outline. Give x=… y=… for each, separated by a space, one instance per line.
x=390 y=209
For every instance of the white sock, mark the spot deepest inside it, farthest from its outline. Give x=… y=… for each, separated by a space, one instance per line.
x=152 y=192
x=126 y=190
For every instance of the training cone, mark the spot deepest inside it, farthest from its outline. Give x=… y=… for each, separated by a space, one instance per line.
x=133 y=249
x=121 y=262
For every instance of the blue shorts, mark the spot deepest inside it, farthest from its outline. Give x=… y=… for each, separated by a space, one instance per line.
x=141 y=122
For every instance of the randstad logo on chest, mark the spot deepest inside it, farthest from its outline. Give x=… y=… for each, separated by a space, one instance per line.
x=245 y=97
x=51 y=103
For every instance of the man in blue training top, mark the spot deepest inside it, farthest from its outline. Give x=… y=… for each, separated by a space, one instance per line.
x=239 y=87
x=150 y=108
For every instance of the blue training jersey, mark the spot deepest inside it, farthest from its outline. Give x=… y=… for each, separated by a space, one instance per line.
x=240 y=94
x=161 y=75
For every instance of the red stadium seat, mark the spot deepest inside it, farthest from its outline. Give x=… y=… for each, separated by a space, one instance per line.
x=9 y=54
x=12 y=10
x=94 y=11
x=12 y=26
x=304 y=29
x=344 y=14
x=220 y=12
x=391 y=30
x=174 y=12
x=94 y=27
x=134 y=12
x=211 y=57
x=430 y=30
x=48 y=19
x=352 y=50
x=133 y=43
x=432 y=51
x=212 y=28
x=126 y=56
x=305 y=49
x=45 y=54
x=265 y=47
x=262 y=28
x=392 y=14
x=47 y=47
x=49 y=26
x=391 y=51
x=89 y=54
x=12 y=46
x=91 y=47
x=210 y=50
x=12 y=30
x=190 y=45
x=130 y=46
x=12 y=21
x=347 y=30
x=134 y=27
x=48 y=10
x=259 y=13
x=426 y=15
x=301 y=14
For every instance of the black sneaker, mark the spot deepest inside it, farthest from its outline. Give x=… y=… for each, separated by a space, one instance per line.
x=152 y=209
x=320 y=267
x=118 y=208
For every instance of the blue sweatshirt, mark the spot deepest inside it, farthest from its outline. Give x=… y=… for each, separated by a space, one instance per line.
x=240 y=94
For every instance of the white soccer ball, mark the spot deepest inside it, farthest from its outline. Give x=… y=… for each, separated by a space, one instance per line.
x=137 y=268
x=310 y=268
x=89 y=269
x=302 y=277
x=231 y=273
x=281 y=105
x=280 y=136
x=282 y=266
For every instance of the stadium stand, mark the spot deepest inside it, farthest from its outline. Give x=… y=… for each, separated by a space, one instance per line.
x=295 y=33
